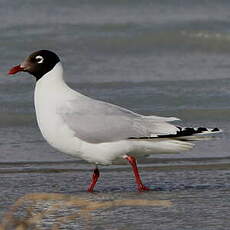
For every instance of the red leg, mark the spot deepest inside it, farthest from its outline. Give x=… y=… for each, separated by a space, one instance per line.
x=133 y=163
x=95 y=177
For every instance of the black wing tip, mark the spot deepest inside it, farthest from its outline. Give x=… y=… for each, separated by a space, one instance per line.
x=140 y=138
x=181 y=133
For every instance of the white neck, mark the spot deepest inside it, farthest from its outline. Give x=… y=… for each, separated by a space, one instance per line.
x=52 y=85
x=53 y=77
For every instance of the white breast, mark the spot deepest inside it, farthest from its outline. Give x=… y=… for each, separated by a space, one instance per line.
x=50 y=94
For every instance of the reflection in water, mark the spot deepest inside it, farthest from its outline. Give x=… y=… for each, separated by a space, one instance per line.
x=32 y=210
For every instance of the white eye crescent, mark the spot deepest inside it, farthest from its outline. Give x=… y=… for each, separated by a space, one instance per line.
x=40 y=59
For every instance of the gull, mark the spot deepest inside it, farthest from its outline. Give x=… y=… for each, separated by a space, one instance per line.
x=93 y=130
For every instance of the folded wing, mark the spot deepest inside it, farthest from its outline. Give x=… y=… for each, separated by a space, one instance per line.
x=97 y=121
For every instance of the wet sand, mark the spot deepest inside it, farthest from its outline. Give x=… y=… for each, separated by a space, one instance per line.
x=197 y=194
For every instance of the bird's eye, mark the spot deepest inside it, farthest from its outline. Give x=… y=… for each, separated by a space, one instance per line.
x=39 y=59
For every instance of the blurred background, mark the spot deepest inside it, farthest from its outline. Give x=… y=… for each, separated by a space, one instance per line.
x=169 y=58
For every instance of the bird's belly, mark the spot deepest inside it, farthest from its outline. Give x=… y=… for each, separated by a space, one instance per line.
x=59 y=136
x=56 y=132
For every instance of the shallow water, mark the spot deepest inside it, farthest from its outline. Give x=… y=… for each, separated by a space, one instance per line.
x=169 y=58
x=199 y=197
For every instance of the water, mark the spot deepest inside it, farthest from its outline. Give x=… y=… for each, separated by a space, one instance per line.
x=169 y=58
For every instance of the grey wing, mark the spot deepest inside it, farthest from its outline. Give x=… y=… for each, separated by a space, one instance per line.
x=97 y=121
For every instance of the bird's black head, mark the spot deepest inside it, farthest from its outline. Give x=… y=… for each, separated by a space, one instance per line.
x=38 y=63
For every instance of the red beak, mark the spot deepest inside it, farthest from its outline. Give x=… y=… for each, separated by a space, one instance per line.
x=16 y=69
